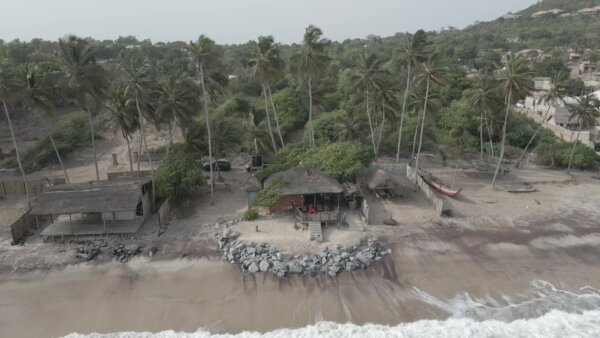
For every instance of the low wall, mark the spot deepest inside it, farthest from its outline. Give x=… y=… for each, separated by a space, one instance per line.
x=22 y=226
x=392 y=168
x=563 y=133
x=116 y=174
x=17 y=187
x=439 y=204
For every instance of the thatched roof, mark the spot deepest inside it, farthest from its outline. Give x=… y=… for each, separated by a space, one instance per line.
x=122 y=194
x=252 y=184
x=382 y=179
x=305 y=181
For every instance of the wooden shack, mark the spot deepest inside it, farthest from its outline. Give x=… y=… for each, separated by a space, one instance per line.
x=117 y=206
x=384 y=184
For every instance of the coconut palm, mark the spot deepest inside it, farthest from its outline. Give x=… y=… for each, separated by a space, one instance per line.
x=227 y=137
x=349 y=125
x=369 y=78
x=177 y=102
x=121 y=116
x=586 y=113
x=264 y=71
x=205 y=57
x=308 y=64
x=256 y=133
x=7 y=93
x=554 y=96
x=432 y=71
x=484 y=98
x=37 y=92
x=82 y=77
x=412 y=54
x=516 y=81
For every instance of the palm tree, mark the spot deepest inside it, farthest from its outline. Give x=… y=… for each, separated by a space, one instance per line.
x=554 y=96
x=412 y=54
x=204 y=57
x=138 y=85
x=256 y=133
x=349 y=125
x=177 y=101
x=83 y=77
x=7 y=93
x=226 y=137
x=308 y=64
x=120 y=117
x=37 y=92
x=484 y=98
x=516 y=81
x=432 y=71
x=587 y=114
x=369 y=78
x=263 y=70
x=267 y=66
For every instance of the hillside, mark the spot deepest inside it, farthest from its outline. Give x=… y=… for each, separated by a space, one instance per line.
x=565 y=5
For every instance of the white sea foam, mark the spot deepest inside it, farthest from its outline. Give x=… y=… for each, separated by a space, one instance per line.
x=544 y=311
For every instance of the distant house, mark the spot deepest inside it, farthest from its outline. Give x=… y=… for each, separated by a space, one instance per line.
x=542 y=83
x=548 y=13
x=592 y=11
x=117 y=206
x=510 y=16
x=575 y=57
x=531 y=54
x=310 y=194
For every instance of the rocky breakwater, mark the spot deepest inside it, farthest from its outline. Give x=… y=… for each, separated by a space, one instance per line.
x=262 y=257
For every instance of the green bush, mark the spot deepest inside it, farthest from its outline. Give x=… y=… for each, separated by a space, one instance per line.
x=178 y=172
x=251 y=214
x=270 y=195
x=556 y=155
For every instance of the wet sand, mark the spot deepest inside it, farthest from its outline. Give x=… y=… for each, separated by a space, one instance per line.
x=425 y=270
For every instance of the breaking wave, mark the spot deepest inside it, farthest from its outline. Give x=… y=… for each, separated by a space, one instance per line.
x=543 y=311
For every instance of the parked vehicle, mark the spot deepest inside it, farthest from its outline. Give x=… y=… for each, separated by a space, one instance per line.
x=258 y=162
x=224 y=165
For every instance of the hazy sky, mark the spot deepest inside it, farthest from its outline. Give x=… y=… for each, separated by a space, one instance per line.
x=237 y=21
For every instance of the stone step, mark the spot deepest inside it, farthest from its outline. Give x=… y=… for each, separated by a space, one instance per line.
x=314 y=229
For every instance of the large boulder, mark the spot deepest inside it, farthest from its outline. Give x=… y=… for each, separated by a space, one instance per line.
x=264 y=266
x=253 y=268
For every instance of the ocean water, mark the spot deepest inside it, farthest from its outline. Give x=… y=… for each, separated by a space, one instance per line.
x=543 y=311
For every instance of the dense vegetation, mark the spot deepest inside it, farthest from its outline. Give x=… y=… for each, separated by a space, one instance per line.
x=332 y=105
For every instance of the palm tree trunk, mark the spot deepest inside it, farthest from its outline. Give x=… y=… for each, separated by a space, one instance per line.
x=310 y=111
x=14 y=139
x=205 y=106
x=255 y=146
x=508 y=100
x=537 y=130
x=422 y=129
x=60 y=162
x=414 y=147
x=381 y=129
x=140 y=152
x=141 y=117
x=269 y=118
x=481 y=136
x=573 y=151
x=402 y=114
x=489 y=129
x=276 y=118
x=371 y=125
x=128 y=151
x=170 y=137
x=91 y=122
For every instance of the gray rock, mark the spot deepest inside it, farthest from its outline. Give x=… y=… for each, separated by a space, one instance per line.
x=363 y=258
x=332 y=273
x=295 y=267
x=253 y=268
x=345 y=255
x=264 y=266
x=280 y=274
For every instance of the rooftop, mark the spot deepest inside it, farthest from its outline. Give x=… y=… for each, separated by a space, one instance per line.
x=305 y=181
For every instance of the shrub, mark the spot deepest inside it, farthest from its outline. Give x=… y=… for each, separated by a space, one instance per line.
x=556 y=155
x=178 y=172
x=251 y=214
x=270 y=195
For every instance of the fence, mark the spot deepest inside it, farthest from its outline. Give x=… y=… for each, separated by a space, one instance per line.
x=586 y=137
x=164 y=212
x=20 y=228
x=116 y=174
x=17 y=187
x=438 y=203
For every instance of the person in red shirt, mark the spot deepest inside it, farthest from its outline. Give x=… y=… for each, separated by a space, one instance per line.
x=311 y=209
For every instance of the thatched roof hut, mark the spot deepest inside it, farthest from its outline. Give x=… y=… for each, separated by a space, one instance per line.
x=382 y=180
x=252 y=184
x=305 y=181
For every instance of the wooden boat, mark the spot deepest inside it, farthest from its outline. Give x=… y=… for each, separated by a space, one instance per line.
x=439 y=186
x=521 y=189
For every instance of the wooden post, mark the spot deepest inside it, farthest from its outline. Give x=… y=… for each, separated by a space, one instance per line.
x=104 y=221
x=136 y=157
x=115 y=161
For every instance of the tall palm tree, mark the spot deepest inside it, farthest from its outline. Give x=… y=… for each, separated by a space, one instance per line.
x=484 y=98
x=204 y=57
x=256 y=133
x=516 y=81
x=369 y=78
x=587 y=114
x=349 y=125
x=555 y=95
x=121 y=116
x=37 y=92
x=264 y=69
x=177 y=102
x=308 y=64
x=83 y=77
x=139 y=82
x=7 y=93
x=412 y=54
x=432 y=71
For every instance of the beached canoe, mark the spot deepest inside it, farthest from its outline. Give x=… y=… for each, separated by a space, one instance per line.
x=439 y=186
x=523 y=189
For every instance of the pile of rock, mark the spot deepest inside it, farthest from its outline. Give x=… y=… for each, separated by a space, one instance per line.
x=88 y=250
x=262 y=257
x=123 y=254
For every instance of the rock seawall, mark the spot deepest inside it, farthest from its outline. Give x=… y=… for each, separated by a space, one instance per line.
x=262 y=257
